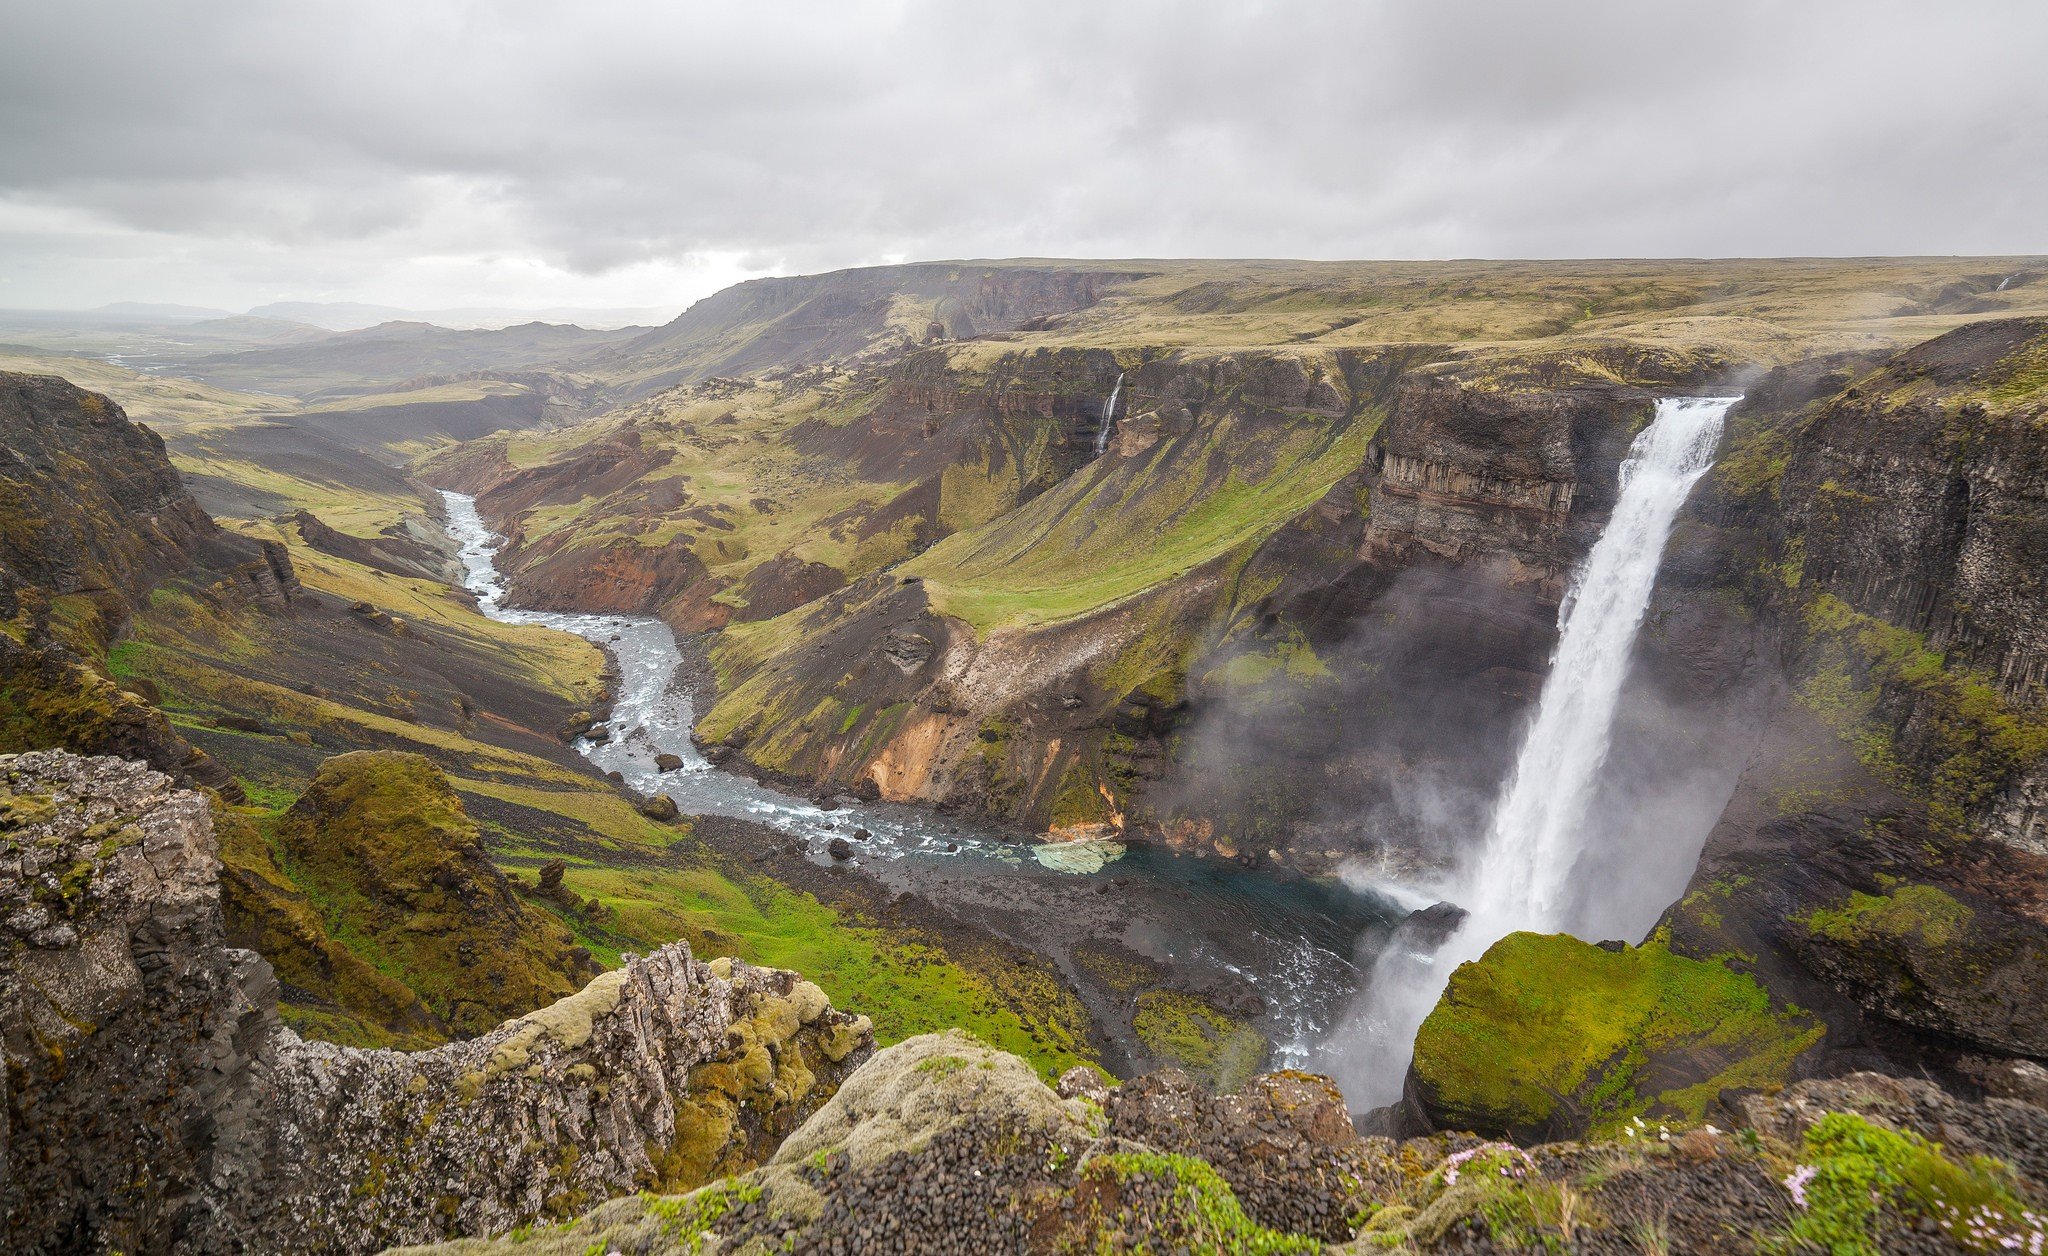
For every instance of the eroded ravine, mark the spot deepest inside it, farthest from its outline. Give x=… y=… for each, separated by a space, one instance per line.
x=1296 y=941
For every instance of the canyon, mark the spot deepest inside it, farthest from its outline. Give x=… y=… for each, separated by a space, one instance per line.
x=1238 y=575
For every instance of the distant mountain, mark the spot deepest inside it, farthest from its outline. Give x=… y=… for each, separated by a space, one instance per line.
x=332 y=315
x=151 y=312
x=246 y=329
x=374 y=358
x=355 y=316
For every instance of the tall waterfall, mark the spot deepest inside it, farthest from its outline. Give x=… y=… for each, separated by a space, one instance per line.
x=1524 y=872
x=1531 y=852
x=1108 y=416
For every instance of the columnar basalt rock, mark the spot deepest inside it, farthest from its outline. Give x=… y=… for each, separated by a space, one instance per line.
x=155 y=1103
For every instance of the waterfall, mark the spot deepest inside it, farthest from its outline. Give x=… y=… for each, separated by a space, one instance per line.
x=1526 y=866
x=2008 y=279
x=1525 y=870
x=1108 y=415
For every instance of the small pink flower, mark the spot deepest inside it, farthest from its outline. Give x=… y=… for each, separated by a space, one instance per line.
x=1795 y=1182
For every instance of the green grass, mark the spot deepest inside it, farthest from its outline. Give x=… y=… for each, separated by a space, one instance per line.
x=1105 y=535
x=906 y=983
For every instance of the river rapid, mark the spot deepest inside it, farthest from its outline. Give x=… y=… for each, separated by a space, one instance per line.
x=1299 y=942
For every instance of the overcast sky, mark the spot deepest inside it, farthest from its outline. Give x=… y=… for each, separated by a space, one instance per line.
x=426 y=153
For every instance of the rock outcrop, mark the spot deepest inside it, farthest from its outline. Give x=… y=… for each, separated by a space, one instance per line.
x=154 y=1103
x=1882 y=858
x=940 y=1145
x=88 y=500
x=1548 y=1037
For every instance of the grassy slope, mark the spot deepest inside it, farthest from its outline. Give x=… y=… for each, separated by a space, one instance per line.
x=1111 y=532
x=734 y=461
x=1767 y=310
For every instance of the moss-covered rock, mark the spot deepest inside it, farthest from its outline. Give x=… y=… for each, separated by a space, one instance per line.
x=1546 y=1035
x=328 y=991
x=382 y=846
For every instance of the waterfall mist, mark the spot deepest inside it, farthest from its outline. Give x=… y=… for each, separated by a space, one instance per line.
x=1531 y=870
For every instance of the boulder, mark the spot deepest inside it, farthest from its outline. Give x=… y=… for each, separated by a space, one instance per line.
x=661 y=807
x=1546 y=1036
x=666 y=762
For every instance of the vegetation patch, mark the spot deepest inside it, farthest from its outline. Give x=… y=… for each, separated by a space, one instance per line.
x=1915 y=913
x=1220 y=1050
x=1851 y=1172
x=1870 y=680
x=1179 y=1203
x=1545 y=1033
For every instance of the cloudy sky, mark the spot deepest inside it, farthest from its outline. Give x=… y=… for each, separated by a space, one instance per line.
x=436 y=152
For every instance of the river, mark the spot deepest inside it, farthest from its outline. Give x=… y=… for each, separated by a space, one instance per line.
x=1296 y=940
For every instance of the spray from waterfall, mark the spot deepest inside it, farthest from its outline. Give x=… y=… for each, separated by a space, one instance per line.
x=1524 y=873
x=1108 y=416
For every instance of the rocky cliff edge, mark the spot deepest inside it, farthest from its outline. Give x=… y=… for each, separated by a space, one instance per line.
x=153 y=1101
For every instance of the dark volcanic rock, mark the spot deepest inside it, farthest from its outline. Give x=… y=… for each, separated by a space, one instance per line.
x=666 y=762
x=839 y=848
x=941 y=1145
x=1430 y=927
x=88 y=500
x=153 y=1103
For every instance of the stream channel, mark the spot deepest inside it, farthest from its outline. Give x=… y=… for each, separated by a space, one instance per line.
x=1302 y=944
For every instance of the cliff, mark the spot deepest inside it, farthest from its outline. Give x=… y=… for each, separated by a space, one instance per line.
x=92 y=518
x=154 y=1103
x=1857 y=590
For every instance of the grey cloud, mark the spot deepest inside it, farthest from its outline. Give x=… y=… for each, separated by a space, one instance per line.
x=268 y=149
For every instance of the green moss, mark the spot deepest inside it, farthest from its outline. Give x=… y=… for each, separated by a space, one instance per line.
x=1851 y=1170
x=382 y=846
x=1867 y=679
x=1218 y=1049
x=1920 y=913
x=689 y=1219
x=1546 y=1028
x=1202 y=1213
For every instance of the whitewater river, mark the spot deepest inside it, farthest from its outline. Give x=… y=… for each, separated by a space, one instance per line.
x=1295 y=939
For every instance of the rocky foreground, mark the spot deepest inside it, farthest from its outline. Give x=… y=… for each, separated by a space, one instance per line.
x=154 y=1103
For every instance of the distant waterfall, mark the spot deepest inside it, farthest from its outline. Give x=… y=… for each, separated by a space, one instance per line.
x=2008 y=279
x=1108 y=416
x=1524 y=872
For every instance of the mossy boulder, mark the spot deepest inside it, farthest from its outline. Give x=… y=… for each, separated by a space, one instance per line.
x=382 y=846
x=1546 y=1036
